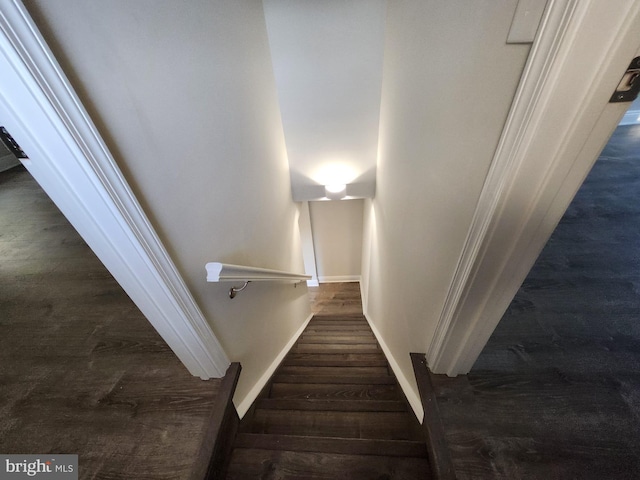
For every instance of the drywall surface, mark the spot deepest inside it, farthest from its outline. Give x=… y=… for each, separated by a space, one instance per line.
x=306 y=239
x=337 y=239
x=448 y=83
x=185 y=98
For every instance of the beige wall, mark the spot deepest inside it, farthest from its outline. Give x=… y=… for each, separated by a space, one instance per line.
x=337 y=239
x=448 y=82
x=184 y=95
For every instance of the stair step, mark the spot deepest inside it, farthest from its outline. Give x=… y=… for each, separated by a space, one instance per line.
x=337 y=339
x=333 y=371
x=372 y=425
x=331 y=322
x=337 y=359
x=332 y=379
x=334 y=391
x=339 y=318
x=339 y=325
x=338 y=348
x=332 y=405
x=338 y=330
x=324 y=329
x=250 y=463
x=363 y=332
x=352 y=446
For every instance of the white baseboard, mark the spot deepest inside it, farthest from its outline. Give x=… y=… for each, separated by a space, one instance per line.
x=313 y=283
x=412 y=396
x=632 y=117
x=339 y=279
x=250 y=397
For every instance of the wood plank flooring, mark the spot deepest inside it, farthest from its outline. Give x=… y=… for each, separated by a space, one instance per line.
x=556 y=392
x=81 y=370
x=333 y=409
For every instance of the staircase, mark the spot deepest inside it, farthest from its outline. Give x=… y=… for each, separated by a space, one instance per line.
x=332 y=410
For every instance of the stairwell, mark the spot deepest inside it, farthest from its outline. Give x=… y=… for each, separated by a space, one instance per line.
x=332 y=410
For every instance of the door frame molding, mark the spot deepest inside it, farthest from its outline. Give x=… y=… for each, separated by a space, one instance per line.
x=558 y=124
x=71 y=162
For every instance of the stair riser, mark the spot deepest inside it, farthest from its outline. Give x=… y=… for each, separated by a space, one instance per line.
x=332 y=379
x=258 y=463
x=351 y=446
x=368 y=425
x=334 y=392
x=332 y=371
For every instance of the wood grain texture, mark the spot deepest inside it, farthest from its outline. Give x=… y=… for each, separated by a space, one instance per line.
x=372 y=425
x=271 y=464
x=217 y=444
x=82 y=371
x=333 y=409
x=437 y=447
x=333 y=405
x=555 y=394
x=308 y=443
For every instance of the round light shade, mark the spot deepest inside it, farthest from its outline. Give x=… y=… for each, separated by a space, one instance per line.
x=335 y=192
x=337 y=188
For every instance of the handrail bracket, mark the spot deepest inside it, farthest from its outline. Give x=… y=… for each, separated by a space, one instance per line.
x=234 y=290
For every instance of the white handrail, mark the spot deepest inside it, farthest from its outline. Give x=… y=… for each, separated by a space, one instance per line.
x=220 y=272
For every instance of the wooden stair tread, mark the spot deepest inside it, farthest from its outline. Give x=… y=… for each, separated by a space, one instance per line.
x=337 y=359
x=338 y=371
x=372 y=425
x=338 y=333
x=337 y=339
x=336 y=348
x=334 y=379
x=352 y=446
x=312 y=327
x=332 y=405
x=330 y=324
x=335 y=391
x=248 y=463
x=339 y=317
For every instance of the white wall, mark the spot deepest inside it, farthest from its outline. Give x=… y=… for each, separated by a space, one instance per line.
x=448 y=82
x=306 y=239
x=337 y=239
x=185 y=98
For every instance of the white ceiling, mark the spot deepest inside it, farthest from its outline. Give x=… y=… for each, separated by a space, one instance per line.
x=327 y=59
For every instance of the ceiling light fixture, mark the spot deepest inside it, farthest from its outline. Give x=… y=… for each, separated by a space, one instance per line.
x=335 y=191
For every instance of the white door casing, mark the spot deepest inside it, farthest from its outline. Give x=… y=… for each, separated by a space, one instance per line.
x=559 y=122
x=70 y=161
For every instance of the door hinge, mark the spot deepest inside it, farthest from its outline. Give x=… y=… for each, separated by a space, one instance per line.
x=629 y=85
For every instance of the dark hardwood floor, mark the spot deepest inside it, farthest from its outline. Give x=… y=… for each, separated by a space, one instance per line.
x=333 y=409
x=556 y=392
x=81 y=370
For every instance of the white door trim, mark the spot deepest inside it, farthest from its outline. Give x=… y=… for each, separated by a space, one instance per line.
x=559 y=122
x=69 y=159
